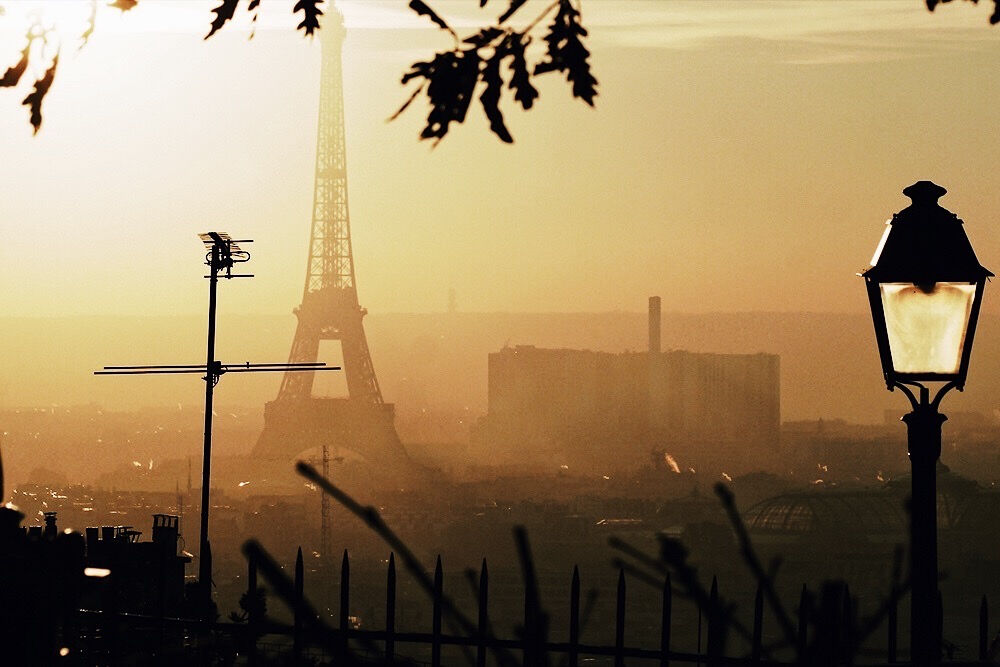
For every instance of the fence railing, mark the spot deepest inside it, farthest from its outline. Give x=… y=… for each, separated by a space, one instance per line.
x=825 y=635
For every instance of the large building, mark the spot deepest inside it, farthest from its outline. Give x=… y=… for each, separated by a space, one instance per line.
x=597 y=410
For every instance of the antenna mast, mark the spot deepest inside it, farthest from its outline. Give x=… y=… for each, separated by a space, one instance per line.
x=223 y=253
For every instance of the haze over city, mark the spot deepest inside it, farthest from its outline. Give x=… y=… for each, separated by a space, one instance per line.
x=741 y=159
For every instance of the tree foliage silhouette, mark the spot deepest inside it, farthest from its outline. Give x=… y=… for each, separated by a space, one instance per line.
x=449 y=79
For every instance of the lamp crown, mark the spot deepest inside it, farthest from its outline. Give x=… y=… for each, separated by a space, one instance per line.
x=924 y=192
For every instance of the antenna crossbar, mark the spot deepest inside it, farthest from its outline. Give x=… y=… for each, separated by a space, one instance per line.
x=216 y=369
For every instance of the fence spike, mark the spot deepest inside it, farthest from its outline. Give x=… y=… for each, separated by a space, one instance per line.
x=698 y=645
x=532 y=636
x=345 y=602
x=668 y=600
x=620 y=621
x=298 y=610
x=758 y=624
x=803 y=626
x=253 y=618
x=713 y=639
x=847 y=625
x=484 y=590
x=574 y=618
x=390 y=610
x=936 y=640
x=436 y=615
x=893 y=623
x=984 y=628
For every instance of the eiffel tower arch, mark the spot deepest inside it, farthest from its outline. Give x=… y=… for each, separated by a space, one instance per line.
x=296 y=420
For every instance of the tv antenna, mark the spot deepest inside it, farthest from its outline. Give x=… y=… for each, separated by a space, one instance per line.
x=223 y=253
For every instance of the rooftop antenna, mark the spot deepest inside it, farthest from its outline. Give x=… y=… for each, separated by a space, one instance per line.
x=223 y=253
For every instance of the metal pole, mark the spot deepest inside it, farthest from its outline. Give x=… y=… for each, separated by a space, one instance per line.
x=205 y=566
x=924 y=444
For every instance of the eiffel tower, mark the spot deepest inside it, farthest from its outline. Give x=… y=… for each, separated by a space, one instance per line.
x=296 y=420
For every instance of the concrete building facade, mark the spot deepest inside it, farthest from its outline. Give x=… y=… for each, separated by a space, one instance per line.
x=600 y=410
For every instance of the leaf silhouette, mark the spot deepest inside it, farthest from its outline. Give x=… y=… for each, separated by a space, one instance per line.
x=310 y=15
x=420 y=69
x=566 y=52
x=14 y=72
x=34 y=99
x=123 y=5
x=520 y=80
x=407 y=103
x=490 y=98
x=91 y=19
x=451 y=82
x=483 y=37
x=421 y=8
x=514 y=6
x=254 y=8
x=223 y=13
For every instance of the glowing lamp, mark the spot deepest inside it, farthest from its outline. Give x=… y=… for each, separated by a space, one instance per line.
x=925 y=287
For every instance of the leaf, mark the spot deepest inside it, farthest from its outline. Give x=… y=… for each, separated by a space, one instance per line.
x=254 y=8
x=514 y=6
x=419 y=69
x=483 y=37
x=310 y=15
x=223 y=13
x=421 y=8
x=91 y=19
x=490 y=98
x=520 y=80
x=566 y=52
x=123 y=5
x=451 y=82
x=450 y=92
x=34 y=99
x=14 y=72
x=407 y=103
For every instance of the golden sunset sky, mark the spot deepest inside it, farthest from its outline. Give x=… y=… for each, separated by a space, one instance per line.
x=742 y=157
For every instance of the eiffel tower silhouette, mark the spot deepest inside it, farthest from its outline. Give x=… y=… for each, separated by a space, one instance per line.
x=296 y=420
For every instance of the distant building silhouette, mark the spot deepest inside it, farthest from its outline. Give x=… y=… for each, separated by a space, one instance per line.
x=611 y=411
x=147 y=577
x=599 y=409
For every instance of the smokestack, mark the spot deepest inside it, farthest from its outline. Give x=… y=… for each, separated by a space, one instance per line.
x=50 y=524
x=165 y=530
x=654 y=325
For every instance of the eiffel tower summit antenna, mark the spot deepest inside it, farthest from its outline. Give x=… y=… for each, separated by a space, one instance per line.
x=296 y=420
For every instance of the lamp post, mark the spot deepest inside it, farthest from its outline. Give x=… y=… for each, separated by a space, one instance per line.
x=925 y=287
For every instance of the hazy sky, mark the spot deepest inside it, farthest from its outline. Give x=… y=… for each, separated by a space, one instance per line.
x=742 y=156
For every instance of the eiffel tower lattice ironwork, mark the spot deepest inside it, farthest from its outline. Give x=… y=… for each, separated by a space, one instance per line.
x=296 y=420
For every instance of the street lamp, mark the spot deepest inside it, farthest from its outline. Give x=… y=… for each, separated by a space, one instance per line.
x=925 y=287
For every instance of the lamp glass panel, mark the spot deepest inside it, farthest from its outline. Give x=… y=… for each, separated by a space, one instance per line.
x=926 y=327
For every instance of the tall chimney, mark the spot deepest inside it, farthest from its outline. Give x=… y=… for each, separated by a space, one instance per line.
x=654 y=325
x=50 y=524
